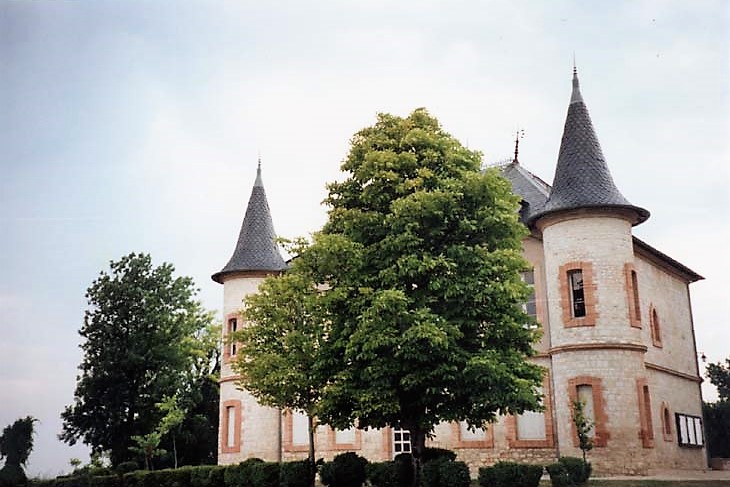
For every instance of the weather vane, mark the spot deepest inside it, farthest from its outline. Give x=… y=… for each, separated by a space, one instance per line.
x=519 y=134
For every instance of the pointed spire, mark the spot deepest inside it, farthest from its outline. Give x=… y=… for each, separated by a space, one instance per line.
x=256 y=249
x=582 y=179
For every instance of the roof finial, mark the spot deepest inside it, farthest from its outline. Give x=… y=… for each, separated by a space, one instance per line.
x=575 y=96
x=519 y=134
x=258 y=181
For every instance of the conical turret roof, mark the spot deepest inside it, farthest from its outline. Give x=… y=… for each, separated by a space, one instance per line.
x=256 y=249
x=582 y=179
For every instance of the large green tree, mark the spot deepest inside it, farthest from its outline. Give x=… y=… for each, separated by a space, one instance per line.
x=278 y=358
x=419 y=265
x=717 y=414
x=141 y=343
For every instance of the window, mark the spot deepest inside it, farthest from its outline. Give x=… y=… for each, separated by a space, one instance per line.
x=531 y=426
x=656 y=329
x=230 y=347
x=646 y=432
x=578 y=294
x=585 y=395
x=589 y=390
x=533 y=429
x=577 y=297
x=296 y=431
x=467 y=437
x=666 y=422
x=632 y=294
x=689 y=430
x=401 y=441
x=345 y=440
x=231 y=430
x=345 y=436
x=530 y=304
x=232 y=328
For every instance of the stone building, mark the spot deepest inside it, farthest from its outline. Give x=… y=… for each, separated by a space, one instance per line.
x=617 y=323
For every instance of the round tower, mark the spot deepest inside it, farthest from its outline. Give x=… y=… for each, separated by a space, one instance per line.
x=596 y=345
x=246 y=428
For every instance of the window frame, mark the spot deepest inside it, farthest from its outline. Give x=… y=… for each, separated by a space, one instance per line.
x=697 y=426
x=590 y=300
x=226 y=446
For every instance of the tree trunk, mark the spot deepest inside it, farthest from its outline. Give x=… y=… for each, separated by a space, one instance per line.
x=174 y=449
x=312 y=462
x=418 y=445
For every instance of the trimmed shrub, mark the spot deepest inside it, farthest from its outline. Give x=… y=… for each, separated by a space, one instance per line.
x=240 y=475
x=264 y=474
x=126 y=467
x=569 y=471
x=295 y=474
x=510 y=474
x=390 y=474
x=134 y=479
x=206 y=476
x=105 y=481
x=345 y=470
x=453 y=474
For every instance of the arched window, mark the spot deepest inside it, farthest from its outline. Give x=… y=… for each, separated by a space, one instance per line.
x=666 y=422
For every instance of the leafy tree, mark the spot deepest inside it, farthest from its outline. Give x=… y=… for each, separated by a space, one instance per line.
x=16 y=443
x=279 y=350
x=420 y=265
x=583 y=427
x=141 y=343
x=717 y=414
x=719 y=376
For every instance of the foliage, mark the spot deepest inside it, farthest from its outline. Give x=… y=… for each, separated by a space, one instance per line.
x=278 y=351
x=389 y=474
x=717 y=428
x=510 y=474
x=345 y=470
x=444 y=472
x=569 y=471
x=141 y=343
x=717 y=414
x=583 y=427
x=453 y=474
x=252 y=472
x=419 y=270
x=719 y=376
x=16 y=443
x=295 y=474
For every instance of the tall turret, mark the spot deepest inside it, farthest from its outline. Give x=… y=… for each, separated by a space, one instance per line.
x=246 y=427
x=582 y=179
x=596 y=349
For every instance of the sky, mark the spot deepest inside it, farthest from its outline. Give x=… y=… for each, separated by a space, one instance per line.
x=135 y=126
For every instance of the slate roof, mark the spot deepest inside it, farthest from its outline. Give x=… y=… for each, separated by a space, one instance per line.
x=256 y=249
x=533 y=190
x=582 y=178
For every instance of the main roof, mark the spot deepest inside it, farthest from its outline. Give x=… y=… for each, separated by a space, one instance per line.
x=582 y=179
x=256 y=249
